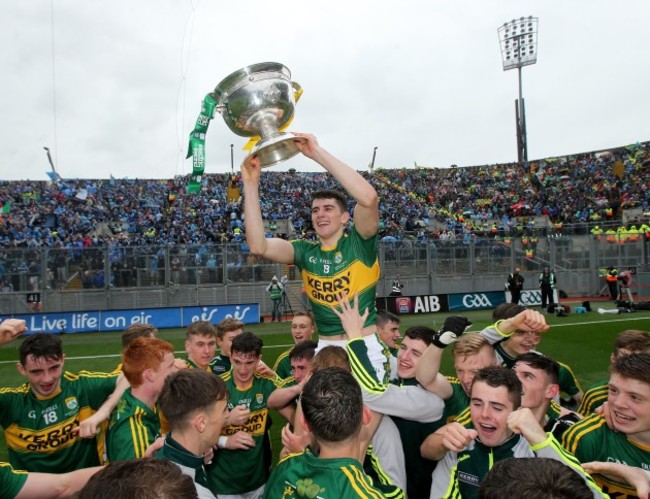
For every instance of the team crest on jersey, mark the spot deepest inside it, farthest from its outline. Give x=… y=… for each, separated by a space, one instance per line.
x=338 y=258
x=259 y=398
x=71 y=403
x=308 y=488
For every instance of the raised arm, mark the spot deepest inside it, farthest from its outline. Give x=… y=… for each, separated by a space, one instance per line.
x=528 y=320
x=11 y=329
x=408 y=402
x=89 y=427
x=366 y=211
x=275 y=249
x=427 y=372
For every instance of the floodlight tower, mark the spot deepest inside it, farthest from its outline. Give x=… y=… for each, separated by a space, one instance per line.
x=518 y=42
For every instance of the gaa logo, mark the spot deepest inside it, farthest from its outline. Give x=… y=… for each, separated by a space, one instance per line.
x=531 y=298
x=476 y=301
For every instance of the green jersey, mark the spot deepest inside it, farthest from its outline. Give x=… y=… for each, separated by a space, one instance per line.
x=189 y=464
x=592 y=440
x=594 y=398
x=11 y=481
x=220 y=364
x=282 y=365
x=458 y=402
x=461 y=474
x=308 y=476
x=241 y=471
x=351 y=266
x=132 y=428
x=38 y=431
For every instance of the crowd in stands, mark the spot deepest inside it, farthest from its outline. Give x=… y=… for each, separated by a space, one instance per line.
x=70 y=213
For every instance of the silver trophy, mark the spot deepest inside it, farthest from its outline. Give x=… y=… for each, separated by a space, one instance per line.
x=258 y=100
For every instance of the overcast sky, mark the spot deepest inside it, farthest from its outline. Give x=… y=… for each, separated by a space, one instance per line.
x=115 y=87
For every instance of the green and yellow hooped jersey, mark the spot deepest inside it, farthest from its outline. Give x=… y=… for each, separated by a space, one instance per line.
x=351 y=266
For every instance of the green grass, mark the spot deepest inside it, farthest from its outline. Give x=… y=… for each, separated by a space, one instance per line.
x=582 y=341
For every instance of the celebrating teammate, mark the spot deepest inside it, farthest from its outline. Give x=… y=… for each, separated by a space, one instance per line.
x=41 y=417
x=135 y=423
x=340 y=261
x=501 y=430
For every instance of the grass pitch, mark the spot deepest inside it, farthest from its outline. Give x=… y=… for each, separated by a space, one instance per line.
x=584 y=342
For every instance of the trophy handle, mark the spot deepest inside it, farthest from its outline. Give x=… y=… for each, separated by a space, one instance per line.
x=297 y=90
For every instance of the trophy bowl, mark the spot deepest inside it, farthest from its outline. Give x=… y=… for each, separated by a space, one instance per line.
x=258 y=100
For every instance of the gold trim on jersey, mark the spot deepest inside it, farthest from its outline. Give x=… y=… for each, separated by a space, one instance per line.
x=139 y=432
x=46 y=440
x=355 y=278
x=358 y=482
x=256 y=424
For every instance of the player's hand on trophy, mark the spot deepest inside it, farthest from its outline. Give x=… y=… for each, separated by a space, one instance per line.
x=450 y=331
x=306 y=144
x=250 y=169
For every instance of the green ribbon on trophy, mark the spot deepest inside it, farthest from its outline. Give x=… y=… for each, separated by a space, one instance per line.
x=196 y=147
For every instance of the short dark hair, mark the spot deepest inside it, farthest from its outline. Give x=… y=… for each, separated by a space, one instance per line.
x=543 y=363
x=337 y=196
x=41 y=346
x=303 y=350
x=496 y=376
x=247 y=343
x=332 y=404
x=538 y=477
x=634 y=366
x=145 y=478
x=506 y=311
x=420 y=333
x=201 y=328
x=384 y=317
x=137 y=331
x=188 y=391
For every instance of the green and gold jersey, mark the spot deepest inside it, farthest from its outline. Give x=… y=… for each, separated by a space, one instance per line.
x=351 y=266
x=132 y=428
x=592 y=440
x=38 y=431
x=282 y=365
x=11 y=481
x=240 y=471
x=594 y=397
x=305 y=475
x=457 y=404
